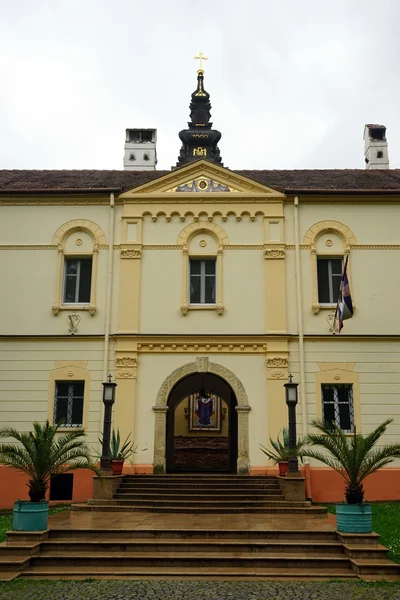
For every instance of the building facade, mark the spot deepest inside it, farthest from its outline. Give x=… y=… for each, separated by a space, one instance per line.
x=200 y=289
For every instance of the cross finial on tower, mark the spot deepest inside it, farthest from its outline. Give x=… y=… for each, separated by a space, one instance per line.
x=201 y=57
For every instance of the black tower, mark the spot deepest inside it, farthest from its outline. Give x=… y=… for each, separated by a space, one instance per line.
x=200 y=140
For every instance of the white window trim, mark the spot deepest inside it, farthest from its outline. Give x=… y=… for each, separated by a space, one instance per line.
x=330 y=275
x=186 y=305
x=203 y=276
x=78 y=258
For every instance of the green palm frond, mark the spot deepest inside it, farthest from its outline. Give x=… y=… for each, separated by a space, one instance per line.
x=40 y=454
x=354 y=457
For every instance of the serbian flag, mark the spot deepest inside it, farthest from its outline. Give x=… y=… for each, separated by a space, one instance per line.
x=345 y=304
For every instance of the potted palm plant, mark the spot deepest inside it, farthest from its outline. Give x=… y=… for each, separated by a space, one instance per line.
x=281 y=452
x=120 y=452
x=354 y=457
x=41 y=455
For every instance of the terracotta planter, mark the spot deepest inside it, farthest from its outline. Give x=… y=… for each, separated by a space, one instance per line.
x=283 y=468
x=116 y=466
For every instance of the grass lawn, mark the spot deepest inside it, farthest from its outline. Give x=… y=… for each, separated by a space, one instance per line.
x=6 y=519
x=386 y=522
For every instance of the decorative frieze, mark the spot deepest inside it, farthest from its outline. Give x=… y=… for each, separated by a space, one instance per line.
x=274 y=252
x=277 y=362
x=277 y=367
x=126 y=367
x=209 y=344
x=131 y=253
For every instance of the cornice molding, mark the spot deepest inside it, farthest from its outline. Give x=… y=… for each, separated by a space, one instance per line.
x=352 y=247
x=49 y=338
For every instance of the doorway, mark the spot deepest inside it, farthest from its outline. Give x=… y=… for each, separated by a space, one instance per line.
x=202 y=426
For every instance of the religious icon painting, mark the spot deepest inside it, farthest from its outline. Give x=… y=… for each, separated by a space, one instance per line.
x=204 y=412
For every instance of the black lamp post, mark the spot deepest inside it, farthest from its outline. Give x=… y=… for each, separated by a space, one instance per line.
x=291 y=401
x=108 y=400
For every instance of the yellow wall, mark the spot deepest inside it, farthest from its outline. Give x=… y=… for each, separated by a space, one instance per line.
x=258 y=286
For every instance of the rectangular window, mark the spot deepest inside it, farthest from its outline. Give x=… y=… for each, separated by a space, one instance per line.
x=337 y=406
x=329 y=277
x=77 y=280
x=68 y=403
x=202 y=281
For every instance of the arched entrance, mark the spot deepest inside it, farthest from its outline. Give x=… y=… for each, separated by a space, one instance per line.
x=201 y=425
x=161 y=408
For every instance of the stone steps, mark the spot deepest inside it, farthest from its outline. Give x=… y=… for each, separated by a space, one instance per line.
x=190 y=502
x=225 y=573
x=187 y=535
x=214 y=553
x=192 y=545
x=100 y=505
x=200 y=491
x=203 y=561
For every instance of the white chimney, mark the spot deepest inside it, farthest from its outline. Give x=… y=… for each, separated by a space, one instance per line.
x=375 y=147
x=140 y=150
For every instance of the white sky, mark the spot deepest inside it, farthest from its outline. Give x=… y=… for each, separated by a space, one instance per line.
x=292 y=82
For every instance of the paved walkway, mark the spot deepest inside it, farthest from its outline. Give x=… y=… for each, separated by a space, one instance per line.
x=195 y=590
x=147 y=520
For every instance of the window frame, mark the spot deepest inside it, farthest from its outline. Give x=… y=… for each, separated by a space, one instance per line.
x=68 y=258
x=329 y=259
x=336 y=403
x=203 y=275
x=70 y=401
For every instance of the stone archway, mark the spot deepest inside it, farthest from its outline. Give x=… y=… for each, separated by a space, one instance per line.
x=202 y=365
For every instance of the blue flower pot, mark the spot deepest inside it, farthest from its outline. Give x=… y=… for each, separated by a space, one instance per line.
x=30 y=516
x=354 y=518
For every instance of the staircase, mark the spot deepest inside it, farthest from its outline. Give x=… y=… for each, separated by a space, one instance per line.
x=208 y=494
x=194 y=527
x=194 y=554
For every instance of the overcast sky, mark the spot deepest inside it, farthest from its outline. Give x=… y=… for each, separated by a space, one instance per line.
x=292 y=82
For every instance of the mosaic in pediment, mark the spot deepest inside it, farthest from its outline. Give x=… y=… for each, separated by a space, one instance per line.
x=203 y=184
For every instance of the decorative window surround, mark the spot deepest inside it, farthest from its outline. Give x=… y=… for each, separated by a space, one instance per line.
x=220 y=238
x=311 y=238
x=69 y=371
x=338 y=374
x=60 y=239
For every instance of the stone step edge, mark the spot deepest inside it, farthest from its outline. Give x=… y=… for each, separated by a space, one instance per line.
x=197 y=510
x=186 y=531
x=194 y=542
x=211 y=557
x=211 y=503
x=160 y=573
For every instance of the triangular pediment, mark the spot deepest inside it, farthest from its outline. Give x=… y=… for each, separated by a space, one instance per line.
x=202 y=177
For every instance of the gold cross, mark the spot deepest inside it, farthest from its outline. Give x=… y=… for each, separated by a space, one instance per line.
x=201 y=57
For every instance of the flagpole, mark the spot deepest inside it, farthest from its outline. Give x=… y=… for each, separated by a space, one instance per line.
x=340 y=289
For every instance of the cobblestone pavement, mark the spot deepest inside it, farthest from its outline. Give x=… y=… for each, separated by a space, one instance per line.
x=196 y=590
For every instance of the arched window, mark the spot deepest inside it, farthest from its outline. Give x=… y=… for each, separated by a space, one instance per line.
x=78 y=247
x=330 y=243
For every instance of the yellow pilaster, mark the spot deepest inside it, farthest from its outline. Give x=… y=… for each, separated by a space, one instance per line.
x=125 y=404
x=131 y=254
x=275 y=275
x=277 y=374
